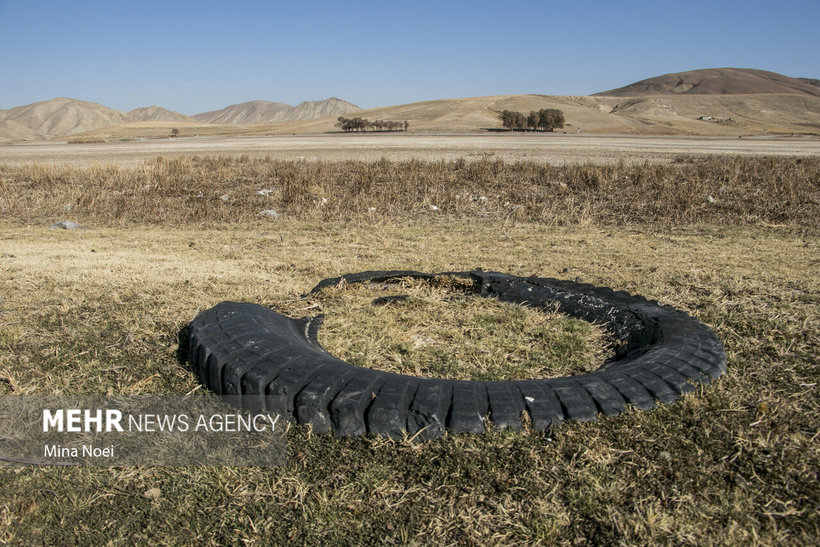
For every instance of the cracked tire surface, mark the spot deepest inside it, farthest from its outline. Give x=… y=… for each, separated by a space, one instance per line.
x=275 y=363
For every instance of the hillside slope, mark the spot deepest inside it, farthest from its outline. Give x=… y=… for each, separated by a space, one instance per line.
x=11 y=131
x=256 y=112
x=309 y=110
x=158 y=114
x=243 y=113
x=717 y=81
x=63 y=116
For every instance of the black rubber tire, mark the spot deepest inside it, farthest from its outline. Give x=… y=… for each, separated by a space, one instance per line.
x=275 y=363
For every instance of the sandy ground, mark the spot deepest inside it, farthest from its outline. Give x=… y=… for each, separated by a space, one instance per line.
x=558 y=148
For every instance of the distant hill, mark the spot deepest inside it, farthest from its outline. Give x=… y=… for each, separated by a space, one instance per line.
x=684 y=114
x=62 y=116
x=243 y=113
x=674 y=104
x=718 y=81
x=158 y=114
x=309 y=110
x=258 y=112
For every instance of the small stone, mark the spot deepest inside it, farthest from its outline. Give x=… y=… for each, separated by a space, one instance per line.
x=433 y=208
x=420 y=341
x=265 y=191
x=710 y=199
x=152 y=494
x=66 y=225
x=387 y=300
x=225 y=197
x=270 y=213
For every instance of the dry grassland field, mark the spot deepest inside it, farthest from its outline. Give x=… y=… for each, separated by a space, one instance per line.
x=723 y=229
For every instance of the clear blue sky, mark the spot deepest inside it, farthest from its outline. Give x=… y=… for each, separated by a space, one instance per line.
x=202 y=55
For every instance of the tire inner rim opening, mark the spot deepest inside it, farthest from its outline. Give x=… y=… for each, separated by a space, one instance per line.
x=443 y=328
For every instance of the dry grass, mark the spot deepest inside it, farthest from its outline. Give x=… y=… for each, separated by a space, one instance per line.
x=212 y=191
x=101 y=310
x=444 y=330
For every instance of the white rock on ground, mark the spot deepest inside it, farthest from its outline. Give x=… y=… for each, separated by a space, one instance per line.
x=66 y=225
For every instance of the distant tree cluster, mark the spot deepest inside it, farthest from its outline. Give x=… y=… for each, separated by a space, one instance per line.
x=362 y=124
x=545 y=119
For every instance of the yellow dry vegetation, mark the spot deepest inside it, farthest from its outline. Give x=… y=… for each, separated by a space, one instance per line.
x=105 y=309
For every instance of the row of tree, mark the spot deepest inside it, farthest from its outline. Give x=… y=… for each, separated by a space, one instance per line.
x=545 y=119
x=362 y=124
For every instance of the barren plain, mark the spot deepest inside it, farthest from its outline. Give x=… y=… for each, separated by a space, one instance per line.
x=555 y=149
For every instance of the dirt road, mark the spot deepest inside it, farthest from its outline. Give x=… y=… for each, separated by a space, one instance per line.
x=558 y=148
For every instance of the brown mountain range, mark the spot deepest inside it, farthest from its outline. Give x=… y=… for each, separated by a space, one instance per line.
x=63 y=117
x=702 y=102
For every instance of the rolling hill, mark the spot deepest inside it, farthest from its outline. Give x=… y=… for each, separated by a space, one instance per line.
x=62 y=116
x=244 y=113
x=701 y=102
x=718 y=81
x=650 y=115
x=256 y=112
x=158 y=114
